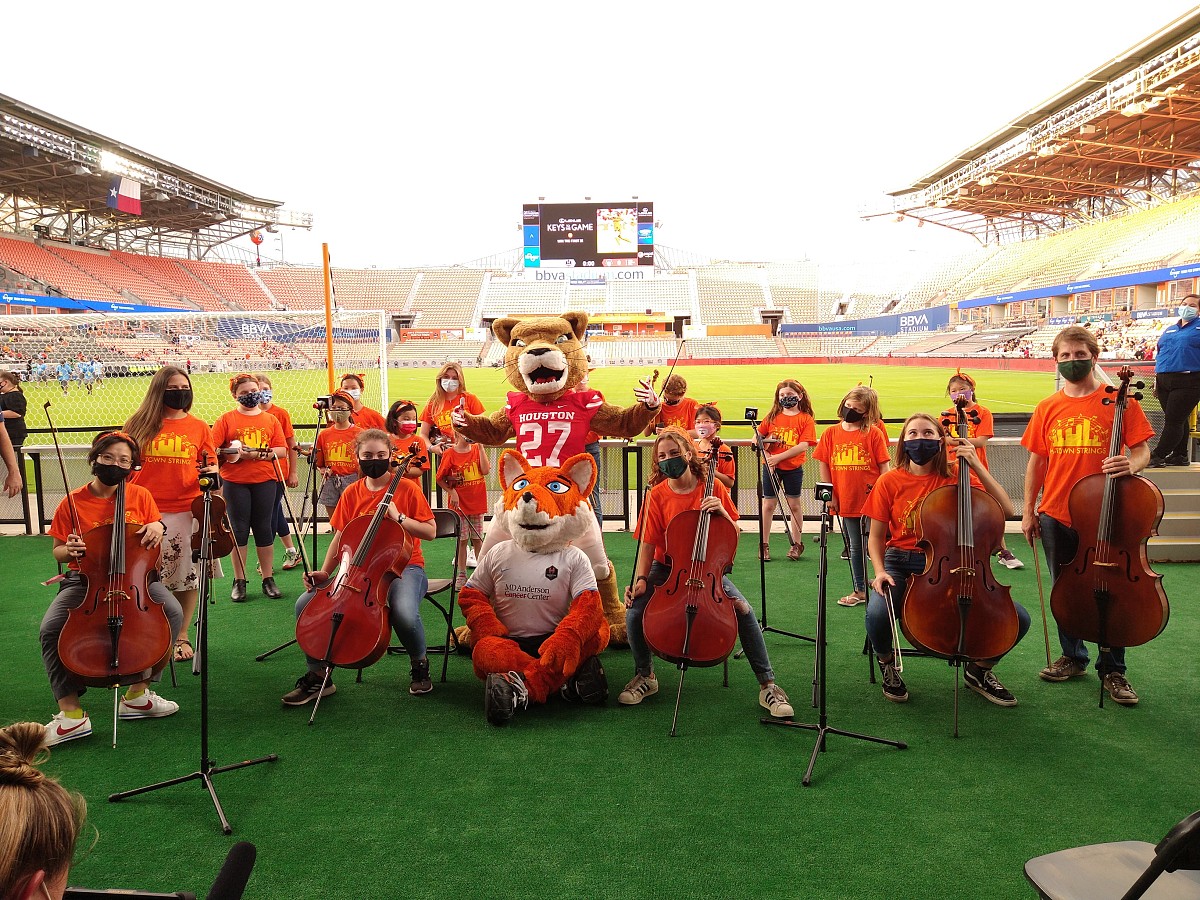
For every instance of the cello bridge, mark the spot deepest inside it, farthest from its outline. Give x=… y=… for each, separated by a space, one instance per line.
x=1105 y=565
x=694 y=584
x=963 y=570
x=115 y=596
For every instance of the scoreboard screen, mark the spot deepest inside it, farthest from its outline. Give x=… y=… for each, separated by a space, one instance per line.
x=588 y=235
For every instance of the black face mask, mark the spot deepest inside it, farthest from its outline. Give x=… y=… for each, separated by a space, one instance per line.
x=109 y=475
x=373 y=468
x=177 y=398
x=789 y=402
x=672 y=402
x=923 y=450
x=852 y=415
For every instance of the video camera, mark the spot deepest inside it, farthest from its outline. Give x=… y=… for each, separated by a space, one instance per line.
x=323 y=402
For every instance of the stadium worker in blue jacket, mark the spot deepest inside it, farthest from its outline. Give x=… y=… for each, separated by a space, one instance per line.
x=1177 y=383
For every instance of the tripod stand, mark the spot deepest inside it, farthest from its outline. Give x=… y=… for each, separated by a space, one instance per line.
x=203 y=557
x=822 y=728
x=764 y=538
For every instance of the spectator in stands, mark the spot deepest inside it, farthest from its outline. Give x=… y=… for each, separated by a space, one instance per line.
x=676 y=409
x=40 y=820
x=249 y=438
x=402 y=424
x=461 y=473
x=852 y=455
x=12 y=402
x=289 y=467
x=788 y=431
x=334 y=453
x=364 y=416
x=173 y=445
x=979 y=430
x=1177 y=384
x=449 y=389
x=1056 y=465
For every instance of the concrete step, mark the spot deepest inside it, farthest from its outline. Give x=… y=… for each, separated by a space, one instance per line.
x=1173 y=549
x=1180 y=524
x=1181 y=500
x=1175 y=477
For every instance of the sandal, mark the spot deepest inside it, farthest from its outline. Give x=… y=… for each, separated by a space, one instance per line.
x=852 y=600
x=797 y=551
x=765 y=552
x=182 y=655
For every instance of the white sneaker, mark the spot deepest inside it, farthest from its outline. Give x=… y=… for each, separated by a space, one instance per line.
x=472 y=562
x=774 y=700
x=62 y=729
x=638 y=690
x=148 y=706
x=1009 y=561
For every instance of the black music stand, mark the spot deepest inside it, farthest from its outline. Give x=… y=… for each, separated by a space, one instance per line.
x=822 y=728
x=203 y=557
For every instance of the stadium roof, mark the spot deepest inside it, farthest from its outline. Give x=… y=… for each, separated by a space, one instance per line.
x=1126 y=135
x=55 y=179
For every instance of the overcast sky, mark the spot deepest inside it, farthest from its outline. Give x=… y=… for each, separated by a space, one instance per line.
x=413 y=132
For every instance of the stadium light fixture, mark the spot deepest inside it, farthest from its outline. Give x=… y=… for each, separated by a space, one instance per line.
x=80 y=170
x=159 y=195
x=987 y=181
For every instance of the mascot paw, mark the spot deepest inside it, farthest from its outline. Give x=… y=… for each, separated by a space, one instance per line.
x=614 y=608
x=462 y=639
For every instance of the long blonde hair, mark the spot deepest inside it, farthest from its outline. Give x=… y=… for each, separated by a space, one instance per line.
x=146 y=422
x=440 y=399
x=40 y=820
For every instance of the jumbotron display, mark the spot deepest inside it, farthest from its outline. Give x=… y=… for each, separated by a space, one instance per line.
x=588 y=235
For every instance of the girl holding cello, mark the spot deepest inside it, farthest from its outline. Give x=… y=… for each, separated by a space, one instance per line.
x=893 y=506
x=173 y=443
x=409 y=509
x=112 y=457
x=677 y=484
x=1068 y=439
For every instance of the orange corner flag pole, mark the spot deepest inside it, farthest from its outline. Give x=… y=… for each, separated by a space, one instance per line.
x=328 y=313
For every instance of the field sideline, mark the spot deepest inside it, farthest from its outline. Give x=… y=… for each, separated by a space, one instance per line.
x=902 y=390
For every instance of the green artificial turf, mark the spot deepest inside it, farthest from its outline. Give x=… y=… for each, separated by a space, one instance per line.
x=393 y=795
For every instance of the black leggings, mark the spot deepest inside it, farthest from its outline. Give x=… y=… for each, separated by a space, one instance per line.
x=280 y=522
x=1178 y=392
x=251 y=508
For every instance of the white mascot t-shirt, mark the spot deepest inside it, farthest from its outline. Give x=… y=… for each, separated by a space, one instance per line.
x=532 y=592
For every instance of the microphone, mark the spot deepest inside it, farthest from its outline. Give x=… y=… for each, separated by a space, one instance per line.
x=235 y=873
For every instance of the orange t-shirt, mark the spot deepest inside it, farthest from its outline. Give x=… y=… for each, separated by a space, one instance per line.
x=413 y=442
x=359 y=500
x=335 y=449
x=854 y=458
x=289 y=434
x=369 y=418
x=254 y=431
x=983 y=428
x=472 y=493
x=169 y=464
x=789 y=431
x=663 y=505
x=441 y=418
x=94 y=511
x=896 y=499
x=682 y=416
x=1073 y=434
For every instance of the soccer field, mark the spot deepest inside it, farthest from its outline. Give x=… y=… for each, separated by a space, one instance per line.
x=902 y=390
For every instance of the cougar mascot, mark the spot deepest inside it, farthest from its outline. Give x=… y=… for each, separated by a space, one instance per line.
x=550 y=420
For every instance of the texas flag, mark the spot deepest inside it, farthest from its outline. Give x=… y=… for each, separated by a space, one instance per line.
x=125 y=194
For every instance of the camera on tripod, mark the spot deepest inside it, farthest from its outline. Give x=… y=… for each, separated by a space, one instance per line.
x=823 y=491
x=752 y=413
x=323 y=402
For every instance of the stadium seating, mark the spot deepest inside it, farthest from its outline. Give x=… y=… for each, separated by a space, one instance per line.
x=174 y=278
x=233 y=282
x=448 y=298
x=434 y=353
x=34 y=261
x=751 y=346
x=730 y=295
x=110 y=271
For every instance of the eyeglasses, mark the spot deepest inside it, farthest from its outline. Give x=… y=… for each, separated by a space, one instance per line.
x=109 y=460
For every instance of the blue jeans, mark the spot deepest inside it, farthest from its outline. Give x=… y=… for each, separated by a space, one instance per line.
x=748 y=628
x=900 y=564
x=852 y=529
x=594 y=449
x=404 y=613
x=1060 y=544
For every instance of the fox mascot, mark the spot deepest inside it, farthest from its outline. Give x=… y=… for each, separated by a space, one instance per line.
x=550 y=416
x=537 y=622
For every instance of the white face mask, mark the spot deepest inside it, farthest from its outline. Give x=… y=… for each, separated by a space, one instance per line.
x=449 y=385
x=1187 y=313
x=354 y=393
x=704 y=430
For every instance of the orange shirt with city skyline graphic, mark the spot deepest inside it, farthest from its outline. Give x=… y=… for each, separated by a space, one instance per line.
x=789 y=431
x=254 y=432
x=854 y=458
x=896 y=500
x=335 y=450
x=169 y=463
x=1073 y=434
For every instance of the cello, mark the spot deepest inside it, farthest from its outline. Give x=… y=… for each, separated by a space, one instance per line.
x=346 y=622
x=1108 y=593
x=955 y=609
x=689 y=620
